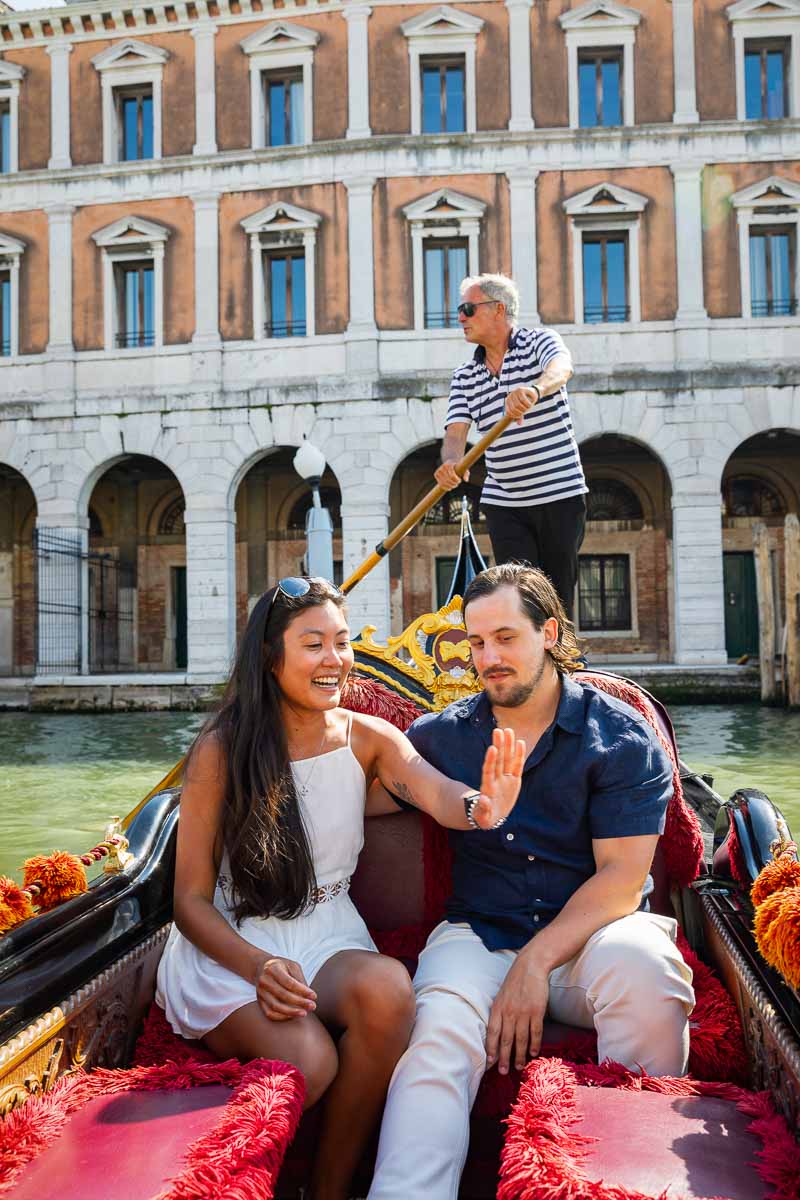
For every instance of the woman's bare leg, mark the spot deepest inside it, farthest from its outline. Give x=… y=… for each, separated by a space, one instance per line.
x=302 y=1041
x=371 y=999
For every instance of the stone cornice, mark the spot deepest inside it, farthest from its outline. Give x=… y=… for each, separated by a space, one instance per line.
x=403 y=155
x=100 y=20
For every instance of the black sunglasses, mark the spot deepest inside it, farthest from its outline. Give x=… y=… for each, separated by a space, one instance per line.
x=293 y=587
x=467 y=309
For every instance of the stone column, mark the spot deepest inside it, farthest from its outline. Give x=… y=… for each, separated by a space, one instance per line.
x=59 y=106
x=519 y=51
x=684 y=62
x=206 y=269
x=364 y=524
x=205 y=92
x=522 y=189
x=59 y=218
x=357 y=16
x=697 y=563
x=62 y=645
x=210 y=588
x=361 y=335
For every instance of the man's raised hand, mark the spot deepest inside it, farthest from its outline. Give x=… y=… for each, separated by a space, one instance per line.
x=501 y=778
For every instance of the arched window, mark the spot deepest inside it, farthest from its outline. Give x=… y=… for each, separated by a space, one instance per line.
x=610 y=500
x=331 y=499
x=749 y=496
x=171 y=520
x=447 y=511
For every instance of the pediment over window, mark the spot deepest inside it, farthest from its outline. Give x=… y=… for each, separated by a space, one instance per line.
x=10 y=247
x=281 y=218
x=131 y=231
x=605 y=199
x=601 y=14
x=10 y=72
x=280 y=35
x=763 y=10
x=445 y=205
x=442 y=21
x=773 y=192
x=129 y=54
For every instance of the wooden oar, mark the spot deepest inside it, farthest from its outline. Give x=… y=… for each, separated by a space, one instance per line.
x=427 y=502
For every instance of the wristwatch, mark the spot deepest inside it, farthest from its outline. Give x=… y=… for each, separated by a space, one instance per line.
x=470 y=800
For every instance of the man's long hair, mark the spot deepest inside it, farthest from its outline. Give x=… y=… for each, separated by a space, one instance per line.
x=539 y=600
x=271 y=867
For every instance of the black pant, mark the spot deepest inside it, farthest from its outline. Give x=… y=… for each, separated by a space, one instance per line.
x=547 y=536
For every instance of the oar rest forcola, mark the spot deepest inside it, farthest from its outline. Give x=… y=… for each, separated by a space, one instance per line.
x=77 y=982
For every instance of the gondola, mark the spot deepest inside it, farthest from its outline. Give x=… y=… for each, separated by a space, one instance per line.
x=98 y=1098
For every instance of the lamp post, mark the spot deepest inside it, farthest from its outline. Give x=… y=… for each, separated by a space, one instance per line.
x=310 y=463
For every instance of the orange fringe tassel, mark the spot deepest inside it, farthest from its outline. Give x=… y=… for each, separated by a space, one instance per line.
x=776 y=897
x=15 y=904
x=56 y=877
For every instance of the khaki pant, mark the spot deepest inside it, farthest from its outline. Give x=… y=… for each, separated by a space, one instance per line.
x=629 y=982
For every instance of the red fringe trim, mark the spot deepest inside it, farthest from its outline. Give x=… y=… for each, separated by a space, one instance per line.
x=240 y=1157
x=544 y=1152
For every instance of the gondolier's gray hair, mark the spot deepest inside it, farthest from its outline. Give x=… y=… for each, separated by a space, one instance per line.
x=496 y=287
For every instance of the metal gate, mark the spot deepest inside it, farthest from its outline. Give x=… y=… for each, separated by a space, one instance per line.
x=85 y=607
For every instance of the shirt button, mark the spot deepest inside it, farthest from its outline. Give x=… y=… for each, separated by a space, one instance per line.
x=536 y=919
x=509 y=837
x=531 y=857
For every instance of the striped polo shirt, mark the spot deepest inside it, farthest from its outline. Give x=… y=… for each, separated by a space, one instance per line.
x=532 y=463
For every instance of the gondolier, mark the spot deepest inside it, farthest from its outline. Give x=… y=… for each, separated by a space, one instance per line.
x=533 y=496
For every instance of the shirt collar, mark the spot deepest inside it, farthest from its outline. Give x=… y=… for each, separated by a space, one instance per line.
x=480 y=351
x=569 y=714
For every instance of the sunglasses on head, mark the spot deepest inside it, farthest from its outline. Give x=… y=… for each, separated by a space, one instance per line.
x=467 y=309
x=293 y=587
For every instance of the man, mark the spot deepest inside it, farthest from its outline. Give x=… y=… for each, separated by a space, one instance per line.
x=546 y=912
x=533 y=496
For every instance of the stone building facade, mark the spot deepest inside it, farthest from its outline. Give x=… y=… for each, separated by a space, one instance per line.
x=229 y=224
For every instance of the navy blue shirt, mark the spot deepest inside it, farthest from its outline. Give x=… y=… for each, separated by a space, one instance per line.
x=599 y=771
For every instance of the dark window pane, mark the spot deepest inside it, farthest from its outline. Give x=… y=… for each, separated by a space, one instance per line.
x=434 y=288
x=147 y=127
x=296 y=111
x=148 y=289
x=604 y=595
x=277 y=115
x=454 y=98
x=278 y=296
x=752 y=86
x=5 y=139
x=592 y=281
x=612 y=105
x=758 y=272
x=431 y=101
x=130 y=118
x=617 y=288
x=298 y=296
x=5 y=315
x=587 y=94
x=775 y=84
x=456 y=271
x=779 y=260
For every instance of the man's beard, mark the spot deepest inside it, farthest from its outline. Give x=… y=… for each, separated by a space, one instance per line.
x=520 y=692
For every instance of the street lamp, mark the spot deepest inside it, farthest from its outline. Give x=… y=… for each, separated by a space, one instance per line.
x=310 y=463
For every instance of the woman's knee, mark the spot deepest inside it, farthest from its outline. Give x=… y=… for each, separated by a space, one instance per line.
x=314 y=1054
x=381 y=998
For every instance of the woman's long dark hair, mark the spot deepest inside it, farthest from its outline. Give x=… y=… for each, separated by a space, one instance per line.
x=272 y=871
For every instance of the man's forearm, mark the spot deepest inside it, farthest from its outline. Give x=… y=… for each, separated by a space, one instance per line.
x=454 y=444
x=555 y=375
x=606 y=897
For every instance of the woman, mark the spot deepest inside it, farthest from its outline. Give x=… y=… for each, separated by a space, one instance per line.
x=268 y=953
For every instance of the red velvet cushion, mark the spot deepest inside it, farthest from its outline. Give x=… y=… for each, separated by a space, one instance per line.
x=126 y=1146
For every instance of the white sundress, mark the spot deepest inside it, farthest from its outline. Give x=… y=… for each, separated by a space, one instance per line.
x=196 y=993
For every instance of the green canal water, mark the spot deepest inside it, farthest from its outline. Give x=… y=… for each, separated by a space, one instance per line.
x=63 y=776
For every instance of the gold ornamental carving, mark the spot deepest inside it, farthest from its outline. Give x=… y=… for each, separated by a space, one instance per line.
x=433 y=651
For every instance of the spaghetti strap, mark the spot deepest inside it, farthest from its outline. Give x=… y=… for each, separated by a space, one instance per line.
x=349 y=726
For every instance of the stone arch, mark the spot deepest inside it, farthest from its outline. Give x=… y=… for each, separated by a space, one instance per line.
x=18 y=511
